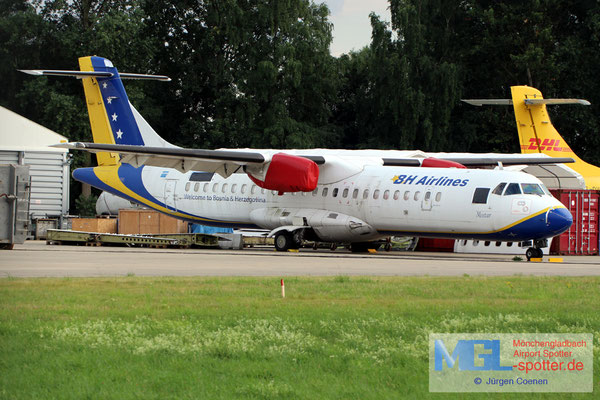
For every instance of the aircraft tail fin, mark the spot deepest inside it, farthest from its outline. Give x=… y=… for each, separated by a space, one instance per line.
x=113 y=118
x=536 y=132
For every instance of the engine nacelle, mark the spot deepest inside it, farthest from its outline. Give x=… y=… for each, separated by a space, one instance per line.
x=433 y=162
x=289 y=173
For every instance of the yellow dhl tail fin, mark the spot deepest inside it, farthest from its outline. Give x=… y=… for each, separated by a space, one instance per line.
x=536 y=132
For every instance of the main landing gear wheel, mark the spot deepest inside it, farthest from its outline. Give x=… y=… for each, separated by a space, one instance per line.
x=533 y=252
x=283 y=241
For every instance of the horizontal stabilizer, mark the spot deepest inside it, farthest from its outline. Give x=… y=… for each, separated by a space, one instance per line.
x=488 y=102
x=56 y=72
x=89 y=74
x=532 y=102
x=557 y=101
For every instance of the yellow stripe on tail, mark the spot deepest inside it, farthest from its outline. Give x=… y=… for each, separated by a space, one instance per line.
x=101 y=130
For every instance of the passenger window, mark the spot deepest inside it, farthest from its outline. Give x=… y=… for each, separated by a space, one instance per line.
x=233 y=188
x=253 y=190
x=396 y=195
x=386 y=195
x=244 y=186
x=376 y=194
x=315 y=192
x=215 y=187
x=273 y=192
x=224 y=188
x=345 y=193
x=196 y=187
x=438 y=196
x=512 y=188
x=366 y=194
x=407 y=195
x=427 y=196
x=263 y=190
x=532 y=188
x=324 y=193
x=187 y=187
x=498 y=190
x=205 y=188
x=355 y=193
x=480 y=196
x=335 y=192
x=417 y=196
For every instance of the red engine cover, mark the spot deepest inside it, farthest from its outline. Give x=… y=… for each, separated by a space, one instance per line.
x=289 y=173
x=433 y=162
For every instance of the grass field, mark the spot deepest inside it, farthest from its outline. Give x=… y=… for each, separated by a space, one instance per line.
x=220 y=338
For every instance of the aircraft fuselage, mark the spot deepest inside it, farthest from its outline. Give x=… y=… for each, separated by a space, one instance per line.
x=377 y=202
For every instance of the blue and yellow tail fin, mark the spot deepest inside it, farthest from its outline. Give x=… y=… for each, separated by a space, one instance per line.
x=113 y=118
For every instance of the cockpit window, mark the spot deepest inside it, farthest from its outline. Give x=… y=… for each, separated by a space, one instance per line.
x=532 y=188
x=480 y=196
x=545 y=189
x=498 y=190
x=513 y=188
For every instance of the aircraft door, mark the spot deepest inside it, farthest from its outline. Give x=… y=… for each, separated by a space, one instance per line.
x=426 y=204
x=170 y=194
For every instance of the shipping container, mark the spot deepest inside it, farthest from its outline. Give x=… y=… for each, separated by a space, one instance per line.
x=582 y=236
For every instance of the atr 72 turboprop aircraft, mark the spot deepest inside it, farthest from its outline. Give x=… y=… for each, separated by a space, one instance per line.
x=338 y=196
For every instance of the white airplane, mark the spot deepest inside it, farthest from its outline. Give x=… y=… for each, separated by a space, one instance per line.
x=338 y=196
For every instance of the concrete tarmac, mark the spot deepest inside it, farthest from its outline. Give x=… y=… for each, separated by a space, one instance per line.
x=36 y=259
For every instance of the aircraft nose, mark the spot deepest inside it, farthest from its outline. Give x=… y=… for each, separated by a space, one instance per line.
x=559 y=220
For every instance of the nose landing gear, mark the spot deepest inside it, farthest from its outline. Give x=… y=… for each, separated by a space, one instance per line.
x=533 y=252
x=536 y=250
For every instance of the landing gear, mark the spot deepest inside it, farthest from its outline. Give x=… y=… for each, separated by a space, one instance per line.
x=534 y=252
x=285 y=240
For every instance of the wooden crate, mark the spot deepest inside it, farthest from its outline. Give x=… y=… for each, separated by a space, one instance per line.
x=169 y=224
x=149 y=222
x=99 y=225
x=129 y=222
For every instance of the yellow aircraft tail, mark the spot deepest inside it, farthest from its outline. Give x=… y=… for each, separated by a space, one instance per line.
x=536 y=132
x=538 y=135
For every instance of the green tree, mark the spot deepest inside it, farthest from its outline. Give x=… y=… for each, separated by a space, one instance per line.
x=249 y=73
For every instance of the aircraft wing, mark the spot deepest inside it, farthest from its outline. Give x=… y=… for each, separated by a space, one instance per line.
x=227 y=162
x=511 y=160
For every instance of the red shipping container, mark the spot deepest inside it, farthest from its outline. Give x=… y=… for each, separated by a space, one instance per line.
x=437 y=245
x=582 y=237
